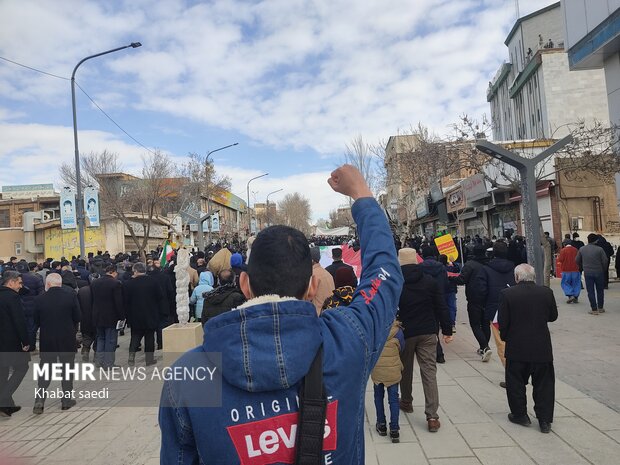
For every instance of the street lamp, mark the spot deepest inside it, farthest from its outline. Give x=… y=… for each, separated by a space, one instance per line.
x=268 y=215
x=207 y=178
x=79 y=201
x=248 y=192
x=217 y=150
x=527 y=172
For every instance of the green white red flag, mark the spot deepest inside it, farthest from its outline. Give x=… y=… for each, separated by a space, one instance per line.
x=166 y=254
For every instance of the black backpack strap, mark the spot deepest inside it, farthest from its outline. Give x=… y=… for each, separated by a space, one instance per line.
x=312 y=412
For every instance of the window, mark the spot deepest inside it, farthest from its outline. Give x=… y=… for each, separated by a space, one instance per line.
x=576 y=223
x=5 y=219
x=18 y=249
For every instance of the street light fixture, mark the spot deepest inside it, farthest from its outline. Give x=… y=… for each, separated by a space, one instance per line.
x=527 y=172
x=217 y=150
x=248 y=192
x=268 y=214
x=79 y=201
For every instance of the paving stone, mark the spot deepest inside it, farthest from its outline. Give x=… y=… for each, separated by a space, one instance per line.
x=593 y=412
x=460 y=407
x=615 y=435
x=455 y=461
x=458 y=368
x=588 y=441
x=548 y=449
x=447 y=442
x=489 y=396
x=503 y=456
x=479 y=435
x=400 y=454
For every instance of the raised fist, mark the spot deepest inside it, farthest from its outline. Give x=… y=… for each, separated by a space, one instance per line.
x=349 y=181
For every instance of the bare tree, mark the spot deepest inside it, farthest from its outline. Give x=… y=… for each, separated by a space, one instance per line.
x=294 y=210
x=361 y=155
x=134 y=201
x=340 y=217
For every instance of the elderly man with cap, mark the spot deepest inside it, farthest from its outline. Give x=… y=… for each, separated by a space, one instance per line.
x=421 y=307
x=325 y=280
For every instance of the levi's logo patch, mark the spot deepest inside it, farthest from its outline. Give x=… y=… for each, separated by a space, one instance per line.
x=272 y=440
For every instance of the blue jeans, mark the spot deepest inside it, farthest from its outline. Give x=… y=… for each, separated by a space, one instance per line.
x=595 y=280
x=106 y=346
x=392 y=401
x=451 y=303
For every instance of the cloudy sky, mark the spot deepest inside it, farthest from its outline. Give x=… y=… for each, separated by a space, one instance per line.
x=291 y=81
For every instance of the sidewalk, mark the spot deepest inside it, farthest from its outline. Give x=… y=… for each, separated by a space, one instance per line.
x=474 y=427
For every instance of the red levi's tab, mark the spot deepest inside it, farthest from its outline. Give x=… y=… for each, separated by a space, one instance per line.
x=272 y=440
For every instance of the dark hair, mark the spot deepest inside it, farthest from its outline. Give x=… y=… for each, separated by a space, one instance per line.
x=280 y=263
x=443 y=259
x=32 y=266
x=139 y=267
x=500 y=250
x=429 y=251
x=55 y=264
x=10 y=275
x=226 y=277
x=337 y=253
x=110 y=269
x=592 y=238
x=344 y=276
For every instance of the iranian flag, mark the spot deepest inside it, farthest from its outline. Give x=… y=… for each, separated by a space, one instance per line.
x=166 y=254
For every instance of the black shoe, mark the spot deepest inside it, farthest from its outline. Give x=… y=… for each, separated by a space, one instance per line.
x=381 y=429
x=132 y=359
x=68 y=404
x=38 y=407
x=441 y=359
x=545 y=427
x=14 y=409
x=148 y=363
x=394 y=436
x=5 y=412
x=523 y=420
x=502 y=384
x=159 y=346
x=139 y=349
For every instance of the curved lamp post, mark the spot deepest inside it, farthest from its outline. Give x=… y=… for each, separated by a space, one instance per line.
x=248 y=192
x=268 y=214
x=78 y=179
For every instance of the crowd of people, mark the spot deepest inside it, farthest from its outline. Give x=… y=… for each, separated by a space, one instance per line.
x=400 y=309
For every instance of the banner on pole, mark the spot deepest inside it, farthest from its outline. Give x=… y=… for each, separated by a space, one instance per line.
x=91 y=206
x=215 y=222
x=67 y=209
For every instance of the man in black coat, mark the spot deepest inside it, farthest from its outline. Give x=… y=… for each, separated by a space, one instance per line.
x=524 y=311
x=422 y=305
x=107 y=297
x=475 y=303
x=57 y=315
x=87 y=328
x=13 y=341
x=32 y=287
x=145 y=307
x=336 y=262
x=168 y=300
x=223 y=298
x=496 y=275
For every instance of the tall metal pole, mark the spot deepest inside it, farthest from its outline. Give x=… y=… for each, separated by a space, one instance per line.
x=79 y=210
x=248 y=192
x=527 y=172
x=269 y=214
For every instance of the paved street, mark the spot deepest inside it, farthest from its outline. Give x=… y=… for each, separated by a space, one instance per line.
x=473 y=411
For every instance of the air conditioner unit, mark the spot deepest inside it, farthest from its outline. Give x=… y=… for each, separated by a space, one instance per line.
x=576 y=223
x=48 y=215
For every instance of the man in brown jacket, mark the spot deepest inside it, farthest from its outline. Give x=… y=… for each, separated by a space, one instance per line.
x=324 y=278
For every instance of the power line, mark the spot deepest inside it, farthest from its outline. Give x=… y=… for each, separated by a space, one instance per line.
x=114 y=122
x=89 y=97
x=34 y=69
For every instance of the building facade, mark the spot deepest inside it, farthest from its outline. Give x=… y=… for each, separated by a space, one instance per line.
x=535 y=95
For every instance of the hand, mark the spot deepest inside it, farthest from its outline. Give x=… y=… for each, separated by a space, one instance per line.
x=448 y=339
x=25 y=348
x=349 y=181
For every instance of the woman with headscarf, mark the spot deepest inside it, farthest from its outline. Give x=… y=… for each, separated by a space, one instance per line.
x=205 y=284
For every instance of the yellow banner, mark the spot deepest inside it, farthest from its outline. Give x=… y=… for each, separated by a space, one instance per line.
x=445 y=245
x=66 y=242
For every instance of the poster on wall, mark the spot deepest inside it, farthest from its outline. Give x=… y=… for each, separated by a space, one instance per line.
x=67 y=209
x=253 y=226
x=215 y=222
x=91 y=206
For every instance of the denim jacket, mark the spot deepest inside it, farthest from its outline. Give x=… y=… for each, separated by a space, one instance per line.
x=266 y=348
